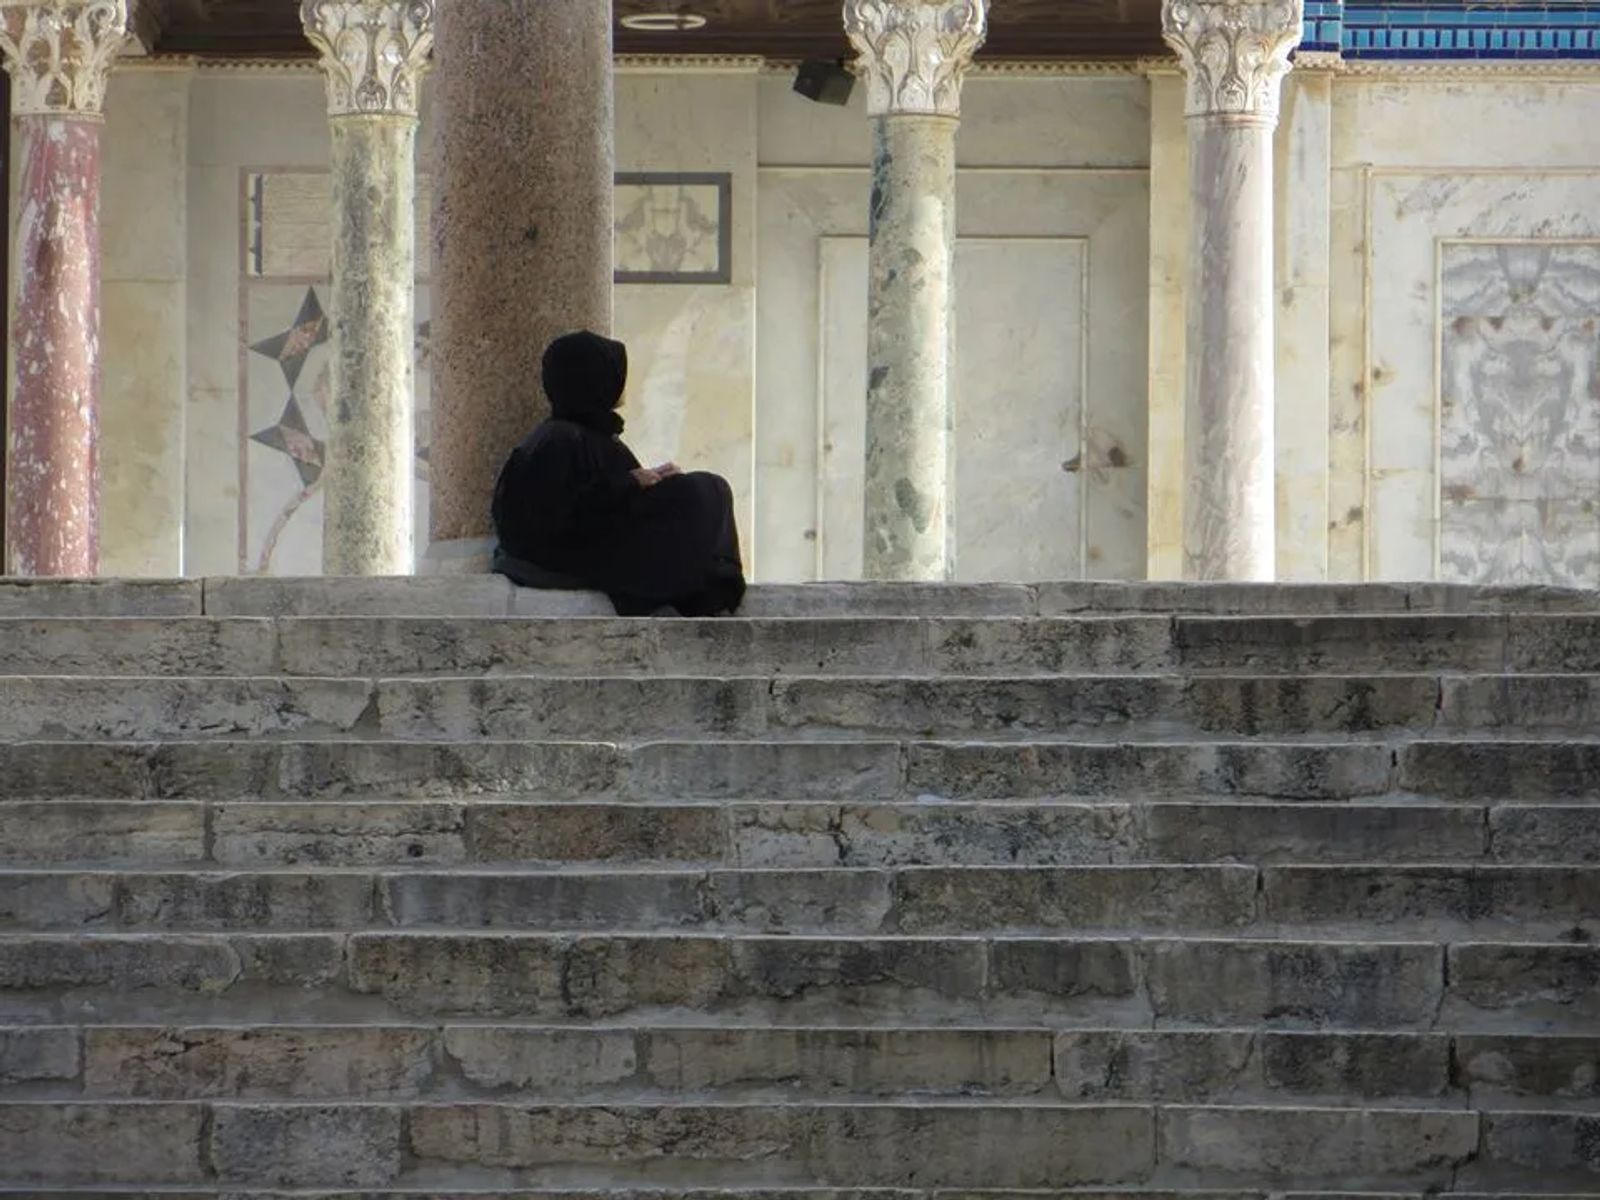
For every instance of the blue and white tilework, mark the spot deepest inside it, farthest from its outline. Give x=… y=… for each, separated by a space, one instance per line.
x=1422 y=30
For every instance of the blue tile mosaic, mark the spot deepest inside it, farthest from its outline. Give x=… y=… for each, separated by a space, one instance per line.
x=1428 y=29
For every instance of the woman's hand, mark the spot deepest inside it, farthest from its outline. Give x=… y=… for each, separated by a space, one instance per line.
x=646 y=478
x=667 y=470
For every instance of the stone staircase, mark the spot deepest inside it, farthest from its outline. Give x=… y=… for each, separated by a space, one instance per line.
x=433 y=887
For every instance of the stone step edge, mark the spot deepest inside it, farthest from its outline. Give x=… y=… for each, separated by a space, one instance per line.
x=679 y=871
x=917 y=1102
x=464 y=594
x=836 y=680
x=1475 y=939
x=723 y=1192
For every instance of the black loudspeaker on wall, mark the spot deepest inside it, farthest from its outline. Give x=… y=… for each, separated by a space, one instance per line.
x=825 y=82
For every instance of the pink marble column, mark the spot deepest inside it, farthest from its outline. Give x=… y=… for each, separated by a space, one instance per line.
x=59 y=54
x=52 y=468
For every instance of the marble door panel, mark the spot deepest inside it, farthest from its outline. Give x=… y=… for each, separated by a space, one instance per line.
x=1018 y=409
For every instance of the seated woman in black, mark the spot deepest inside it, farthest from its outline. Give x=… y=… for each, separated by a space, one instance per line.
x=573 y=501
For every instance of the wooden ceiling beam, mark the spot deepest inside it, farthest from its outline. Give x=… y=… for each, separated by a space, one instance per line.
x=794 y=29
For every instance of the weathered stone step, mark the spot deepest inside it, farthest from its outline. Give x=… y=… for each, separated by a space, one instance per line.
x=659 y=1192
x=365 y=647
x=529 y=707
x=1299 y=983
x=954 y=1145
x=835 y=770
x=620 y=1063
x=1516 y=903
x=687 y=1192
x=492 y=596
x=358 y=833
x=838 y=900
x=811 y=834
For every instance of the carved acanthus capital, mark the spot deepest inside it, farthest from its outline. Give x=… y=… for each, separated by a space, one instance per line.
x=374 y=52
x=59 y=53
x=914 y=53
x=1235 y=53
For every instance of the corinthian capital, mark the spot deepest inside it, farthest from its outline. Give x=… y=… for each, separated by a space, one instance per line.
x=1235 y=53
x=374 y=52
x=59 y=53
x=914 y=53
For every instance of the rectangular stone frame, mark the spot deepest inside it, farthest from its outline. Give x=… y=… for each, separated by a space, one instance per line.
x=723 y=182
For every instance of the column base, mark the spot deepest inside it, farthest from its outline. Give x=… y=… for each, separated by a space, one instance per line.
x=458 y=556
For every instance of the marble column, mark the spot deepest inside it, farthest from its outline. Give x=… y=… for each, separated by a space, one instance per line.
x=1234 y=55
x=523 y=234
x=913 y=56
x=373 y=53
x=59 y=54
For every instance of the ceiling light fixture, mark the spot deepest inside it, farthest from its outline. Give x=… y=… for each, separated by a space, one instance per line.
x=663 y=22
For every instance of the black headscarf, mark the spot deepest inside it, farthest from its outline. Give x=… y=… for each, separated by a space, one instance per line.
x=584 y=376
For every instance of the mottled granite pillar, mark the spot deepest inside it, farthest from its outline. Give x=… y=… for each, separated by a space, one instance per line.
x=1234 y=54
x=59 y=53
x=374 y=53
x=523 y=234
x=913 y=55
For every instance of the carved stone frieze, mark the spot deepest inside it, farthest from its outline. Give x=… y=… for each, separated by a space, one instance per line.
x=914 y=53
x=59 y=53
x=374 y=52
x=1235 y=53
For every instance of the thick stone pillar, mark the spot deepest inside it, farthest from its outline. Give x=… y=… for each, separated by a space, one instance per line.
x=59 y=53
x=523 y=234
x=1234 y=54
x=374 y=53
x=913 y=55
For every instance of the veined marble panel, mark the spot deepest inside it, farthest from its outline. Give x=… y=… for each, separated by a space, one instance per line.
x=1519 y=437
x=1410 y=213
x=674 y=228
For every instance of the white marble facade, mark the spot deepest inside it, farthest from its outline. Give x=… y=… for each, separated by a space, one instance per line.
x=1436 y=348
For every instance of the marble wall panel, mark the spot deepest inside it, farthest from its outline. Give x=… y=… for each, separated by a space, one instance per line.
x=1169 y=272
x=211 y=483
x=811 y=325
x=1526 y=121
x=1403 y=174
x=145 y=148
x=1302 y=200
x=692 y=123
x=142 y=428
x=1018 y=452
x=144 y=270
x=1519 y=438
x=690 y=362
x=1013 y=121
x=798 y=208
x=1411 y=213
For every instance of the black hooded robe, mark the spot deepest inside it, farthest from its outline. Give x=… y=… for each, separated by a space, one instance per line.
x=567 y=503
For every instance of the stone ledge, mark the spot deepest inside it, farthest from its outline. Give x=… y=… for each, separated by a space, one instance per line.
x=492 y=595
